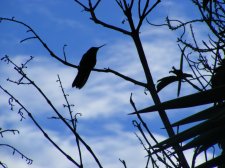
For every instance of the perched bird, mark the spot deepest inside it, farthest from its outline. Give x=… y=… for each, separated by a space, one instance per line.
x=87 y=63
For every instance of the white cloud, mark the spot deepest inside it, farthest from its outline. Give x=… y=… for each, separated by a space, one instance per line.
x=33 y=144
x=104 y=96
x=110 y=96
x=108 y=148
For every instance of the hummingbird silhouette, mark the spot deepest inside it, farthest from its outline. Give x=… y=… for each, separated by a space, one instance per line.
x=87 y=63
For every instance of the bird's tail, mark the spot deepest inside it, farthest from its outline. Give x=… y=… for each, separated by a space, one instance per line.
x=81 y=79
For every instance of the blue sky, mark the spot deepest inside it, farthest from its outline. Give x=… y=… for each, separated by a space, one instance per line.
x=104 y=101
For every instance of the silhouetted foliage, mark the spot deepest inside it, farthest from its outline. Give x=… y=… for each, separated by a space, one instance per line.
x=206 y=76
x=210 y=130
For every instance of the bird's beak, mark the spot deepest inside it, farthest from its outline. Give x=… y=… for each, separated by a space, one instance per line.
x=101 y=46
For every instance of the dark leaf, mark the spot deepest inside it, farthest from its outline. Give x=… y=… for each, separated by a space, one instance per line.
x=191 y=132
x=213 y=162
x=200 y=98
x=202 y=115
x=178 y=88
x=170 y=79
x=186 y=75
x=207 y=139
x=166 y=81
x=179 y=73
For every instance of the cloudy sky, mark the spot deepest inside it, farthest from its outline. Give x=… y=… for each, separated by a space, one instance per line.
x=104 y=101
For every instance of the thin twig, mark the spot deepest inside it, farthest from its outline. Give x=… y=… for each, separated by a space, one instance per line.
x=65 y=62
x=20 y=71
x=40 y=128
x=28 y=160
x=73 y=120
x=150 y=134
x=123 y=162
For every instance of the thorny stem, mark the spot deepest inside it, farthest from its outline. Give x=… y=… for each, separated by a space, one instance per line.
x=29 y=161
x=40 y=128
x=8 y=130
x=73 y=120
x=64 y=121
x=20 y=71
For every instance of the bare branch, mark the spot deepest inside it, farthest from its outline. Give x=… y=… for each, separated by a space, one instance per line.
x=27 y=39
x=149 y=133
x=3 y=165
x=145 y=8
x=40 y=40
x=63 y=61
x=108 y=70
x=8 y=130
x=39 y=126
x=208 y=21
x=64 y=53
x=145 y=13
x=28 y=160
x=91 y=10
x=20 y=71
x=131 y=4
x=72 y=119
x=97 y=3
x=123 y=162
x=85 y=7
x=120 y=4
x=139 y=8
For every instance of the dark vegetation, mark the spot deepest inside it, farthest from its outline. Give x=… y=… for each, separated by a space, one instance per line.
x=206 y=63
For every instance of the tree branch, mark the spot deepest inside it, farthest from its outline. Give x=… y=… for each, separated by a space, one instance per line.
x=65 y=62
x=39 y=127
x=20 y=71
x=29 y=161
x=72 y=119
x=145 y=13
x=150 y=83
x=40 y=40
x=91 y=10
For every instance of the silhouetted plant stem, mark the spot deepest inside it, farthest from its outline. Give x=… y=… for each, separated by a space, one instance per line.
x=155 y=97
x=72 y=119
x=150 y=134
x=64 y=61
x=150 y=83
x=29 y=161
x=134 y=34
x=24 y=76
x=123 y=162
x=40 y=128
x=66 y=123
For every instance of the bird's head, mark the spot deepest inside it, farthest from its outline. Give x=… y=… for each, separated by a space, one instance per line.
x=93 y=50
x=96 y=48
